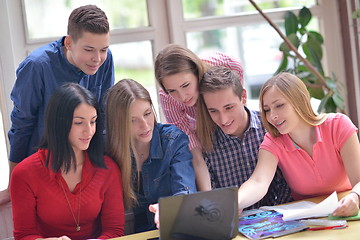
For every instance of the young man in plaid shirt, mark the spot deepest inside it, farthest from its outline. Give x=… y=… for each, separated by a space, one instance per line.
x=231 y=134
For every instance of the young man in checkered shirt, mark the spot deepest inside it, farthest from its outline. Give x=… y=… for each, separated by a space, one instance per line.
x=231 y=134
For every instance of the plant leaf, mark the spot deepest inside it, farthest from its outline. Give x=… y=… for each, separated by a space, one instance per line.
x=313 y=57
x=330 y=105
x=322 y=103
x=304 y=16
x=303 y=68
x=317 y=36
x=317 y=93
x=302 y=30
x=291 y=23
x=315 y=46
x=356 y=13
x=330 y=83
x=283 y=64
x=338 y=100
x=305 y=75
x=294 y=40
x=284 y=48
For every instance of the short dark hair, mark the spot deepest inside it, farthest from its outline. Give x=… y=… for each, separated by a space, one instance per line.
x=58 y=122
x=88 y=18
x=218 y=78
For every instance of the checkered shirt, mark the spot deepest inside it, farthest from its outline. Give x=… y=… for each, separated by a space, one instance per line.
x=233 y=160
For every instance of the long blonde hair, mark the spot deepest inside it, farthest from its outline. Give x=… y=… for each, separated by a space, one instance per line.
x=118 y=134
x=294 y=91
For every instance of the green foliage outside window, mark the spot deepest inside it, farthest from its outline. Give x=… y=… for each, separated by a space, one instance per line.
x=143 y=76
x=320 y=86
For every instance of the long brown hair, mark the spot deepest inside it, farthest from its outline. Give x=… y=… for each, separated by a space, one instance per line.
x=294 y=91
x=118 y=134
x=175 y=59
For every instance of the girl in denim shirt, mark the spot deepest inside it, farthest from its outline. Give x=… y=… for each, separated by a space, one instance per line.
x=154 y=158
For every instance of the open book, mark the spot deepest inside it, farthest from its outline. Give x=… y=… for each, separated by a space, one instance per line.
x=306 y=209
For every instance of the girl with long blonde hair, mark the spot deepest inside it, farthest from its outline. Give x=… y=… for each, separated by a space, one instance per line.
x=317 y=153
x=153 y=157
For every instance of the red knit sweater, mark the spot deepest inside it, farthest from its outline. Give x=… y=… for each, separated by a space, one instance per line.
x=41 y=210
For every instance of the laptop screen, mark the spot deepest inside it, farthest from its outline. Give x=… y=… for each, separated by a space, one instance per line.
x=207 y=215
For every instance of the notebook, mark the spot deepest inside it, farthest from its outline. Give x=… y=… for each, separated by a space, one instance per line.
x=267 y=224
x=209 y=215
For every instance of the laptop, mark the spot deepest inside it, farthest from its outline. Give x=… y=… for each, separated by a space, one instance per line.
x=210 y=215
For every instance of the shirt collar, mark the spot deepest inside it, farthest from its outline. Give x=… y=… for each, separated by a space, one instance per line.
x=156 y=150
x=291 y=146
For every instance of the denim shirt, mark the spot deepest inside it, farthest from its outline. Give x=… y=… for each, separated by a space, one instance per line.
x=166 y=172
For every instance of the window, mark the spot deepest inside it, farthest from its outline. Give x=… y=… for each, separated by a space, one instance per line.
x=139 y=29
x=52 y=22
x=259 y=55
x=135 y=60
x=242 y=36
x=208 y=8
x=236 y=28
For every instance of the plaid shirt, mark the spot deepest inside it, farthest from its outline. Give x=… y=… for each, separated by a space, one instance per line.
x=233 y=160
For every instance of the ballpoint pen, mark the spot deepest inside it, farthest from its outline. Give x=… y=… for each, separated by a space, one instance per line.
x=327 y=227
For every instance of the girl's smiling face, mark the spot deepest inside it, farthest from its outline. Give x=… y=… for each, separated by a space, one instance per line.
x=83 y=127
x=279 y=112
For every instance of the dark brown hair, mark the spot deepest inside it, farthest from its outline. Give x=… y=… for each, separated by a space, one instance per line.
x=58 y=123
x=88 y=18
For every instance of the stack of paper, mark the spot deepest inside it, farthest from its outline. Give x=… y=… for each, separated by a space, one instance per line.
x=306 y=209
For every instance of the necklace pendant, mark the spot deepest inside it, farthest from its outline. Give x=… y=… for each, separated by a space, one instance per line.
x=78 y=228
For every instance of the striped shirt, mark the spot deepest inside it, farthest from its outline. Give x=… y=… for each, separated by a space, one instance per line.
x=233 y=160
x=220 y=59
x=184 y=117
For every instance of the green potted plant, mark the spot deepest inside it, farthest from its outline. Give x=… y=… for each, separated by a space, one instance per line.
x=306 y=65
